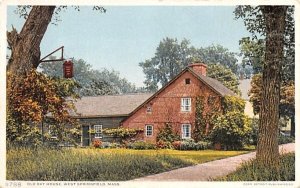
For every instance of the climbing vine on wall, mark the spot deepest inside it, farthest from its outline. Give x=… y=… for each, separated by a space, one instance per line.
x=200 y=120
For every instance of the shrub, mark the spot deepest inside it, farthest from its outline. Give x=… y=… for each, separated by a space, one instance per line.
x=167 y=134
x=253 y=135
x=161 y=144
x=142 y=145
x=106 y=144
x=115 y=145
x=123 y=133
x=202 y=145
x=285 y=139
x=231 y=130
x=251 y=171
x=176 y=145
x=188 y=144
x=97 y=143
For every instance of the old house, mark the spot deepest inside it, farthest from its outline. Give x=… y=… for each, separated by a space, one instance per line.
x=100 y=112
x=174 y=103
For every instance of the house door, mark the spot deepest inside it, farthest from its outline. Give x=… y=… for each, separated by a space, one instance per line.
x=85 y=136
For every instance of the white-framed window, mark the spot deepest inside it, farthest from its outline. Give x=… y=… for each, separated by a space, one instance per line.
x=149 y=130
x=186 y=131
x=186 y=104
x=52 y=131
x=98 y=131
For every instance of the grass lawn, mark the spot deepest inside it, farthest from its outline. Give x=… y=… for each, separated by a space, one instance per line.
x=194 y=157
x=101 y=164
x=251 y=171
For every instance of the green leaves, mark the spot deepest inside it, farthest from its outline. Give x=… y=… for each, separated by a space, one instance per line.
x=172 y=56
x=232 y=128
x=123 y=133
x=225 y=76
x=167 y=134
x=91 y=82
x=32 y=97
x=232 y=103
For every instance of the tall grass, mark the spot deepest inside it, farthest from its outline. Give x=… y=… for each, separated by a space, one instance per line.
x=85 y=164
x=251 y=171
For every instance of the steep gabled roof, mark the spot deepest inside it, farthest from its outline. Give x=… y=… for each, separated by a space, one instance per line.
x=214 y=84
x=109 y=105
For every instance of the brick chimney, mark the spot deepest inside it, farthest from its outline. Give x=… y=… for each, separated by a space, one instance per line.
x=198 y=67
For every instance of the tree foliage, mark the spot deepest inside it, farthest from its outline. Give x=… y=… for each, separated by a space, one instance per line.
x=287 y=96
x=231 y=130
x=253 y=48
x=92 y=82
x=172 y=56
x=33 y=97
x=232 y=103
x=37 y=96
x=253 y=51
x=225 y=76
x=232 y=127
x=23 y=11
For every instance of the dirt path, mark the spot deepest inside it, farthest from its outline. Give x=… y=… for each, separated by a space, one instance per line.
x=209 y=170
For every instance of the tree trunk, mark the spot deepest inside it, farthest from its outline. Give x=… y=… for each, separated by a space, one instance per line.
x=267 y=147
x=25 y=47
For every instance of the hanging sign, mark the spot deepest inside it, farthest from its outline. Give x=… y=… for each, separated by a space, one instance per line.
x=68 y=69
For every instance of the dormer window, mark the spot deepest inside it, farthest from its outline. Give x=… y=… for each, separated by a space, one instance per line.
x=187 y=81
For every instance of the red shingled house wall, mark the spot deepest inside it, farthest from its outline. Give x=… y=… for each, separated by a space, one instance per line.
x=165 y=105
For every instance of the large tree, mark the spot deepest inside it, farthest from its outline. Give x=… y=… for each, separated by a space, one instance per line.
x=267 y=147
x=172 y=56
x=274 y=24
x=253 y=53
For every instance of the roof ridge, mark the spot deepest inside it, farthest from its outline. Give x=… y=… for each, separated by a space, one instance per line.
x=127 y=94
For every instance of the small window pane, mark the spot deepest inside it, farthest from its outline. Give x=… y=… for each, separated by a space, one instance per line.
x=186 y=104
x=149 y=130
x=52 y=131
x=98 y=131
x=186 y=131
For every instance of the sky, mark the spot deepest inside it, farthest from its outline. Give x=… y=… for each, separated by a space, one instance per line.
x=124 y=36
